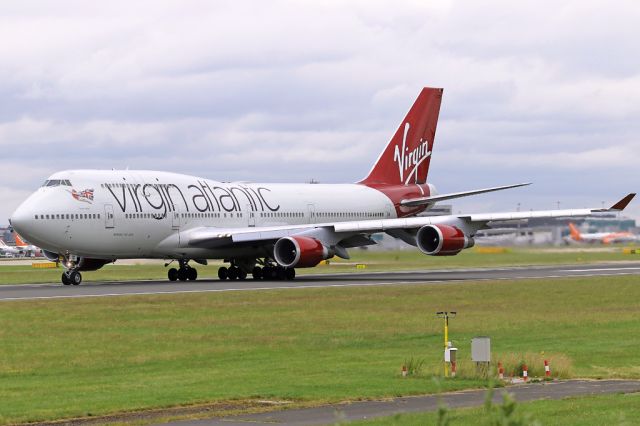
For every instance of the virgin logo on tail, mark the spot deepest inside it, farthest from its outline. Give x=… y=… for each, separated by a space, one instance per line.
x=410 y=146
x=410 y=160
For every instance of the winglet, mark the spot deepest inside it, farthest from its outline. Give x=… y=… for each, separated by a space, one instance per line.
x=622 y=204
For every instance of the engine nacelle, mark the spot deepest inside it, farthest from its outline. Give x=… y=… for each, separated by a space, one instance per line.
x=85 y=264
x=300 y=252
x=442 y=240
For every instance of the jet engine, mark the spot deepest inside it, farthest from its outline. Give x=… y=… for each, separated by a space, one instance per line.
x=442 y=240
x=300 y=252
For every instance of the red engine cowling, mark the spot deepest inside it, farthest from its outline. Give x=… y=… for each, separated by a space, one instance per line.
x=442 y=240
x=85 y=264
x=299 y=252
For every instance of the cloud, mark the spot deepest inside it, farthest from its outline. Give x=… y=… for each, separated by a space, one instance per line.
x=290 y=91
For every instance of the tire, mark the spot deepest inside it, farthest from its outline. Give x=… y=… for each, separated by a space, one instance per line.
x=223 y=273
x=192 y=274
x=257 y=273
x=65 y=279
x=172 y=274
x=233 y=273
x=242 y=275
x=75 y=278
x=290 y=273
x=182 y=274
x=281 y=273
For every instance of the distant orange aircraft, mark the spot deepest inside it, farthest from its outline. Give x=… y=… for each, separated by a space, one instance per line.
x=601 y=237
x=25 y=248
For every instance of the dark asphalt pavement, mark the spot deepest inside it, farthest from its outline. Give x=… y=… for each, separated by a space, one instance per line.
x=102 y=289
x=370 y=409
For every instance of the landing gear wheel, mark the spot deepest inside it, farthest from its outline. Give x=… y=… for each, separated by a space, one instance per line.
x=233 y=273
x=280 y=273
x=242 y=274
x=75 y=278
x=182 y=274
x=290 y=273
x=257 y=273
x=192 y=274
x=65 y=279
x=223 y=273
x=172 y=274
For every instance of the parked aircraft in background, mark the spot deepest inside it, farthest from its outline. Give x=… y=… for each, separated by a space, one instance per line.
x=8 y=251
x=88 y=218
x=601 y=237
x=25 y=248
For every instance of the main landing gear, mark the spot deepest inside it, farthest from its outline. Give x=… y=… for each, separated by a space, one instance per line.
x=183 y=273
x=268 y=272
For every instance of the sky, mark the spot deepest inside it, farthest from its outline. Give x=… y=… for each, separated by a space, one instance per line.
x=289 y=91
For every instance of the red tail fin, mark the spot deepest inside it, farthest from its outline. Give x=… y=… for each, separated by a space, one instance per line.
x=406 y=159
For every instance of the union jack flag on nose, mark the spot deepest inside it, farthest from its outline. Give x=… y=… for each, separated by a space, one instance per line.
x=84 y=195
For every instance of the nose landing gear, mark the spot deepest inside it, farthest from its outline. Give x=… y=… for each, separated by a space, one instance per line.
x=71 y=277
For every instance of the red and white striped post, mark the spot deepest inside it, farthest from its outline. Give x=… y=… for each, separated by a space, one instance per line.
x=547 y=369
x=525 y=372
x=453 y=369
x=500 y=371
x=404 y=371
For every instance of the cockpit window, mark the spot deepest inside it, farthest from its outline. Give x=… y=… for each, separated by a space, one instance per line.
x=56 y=182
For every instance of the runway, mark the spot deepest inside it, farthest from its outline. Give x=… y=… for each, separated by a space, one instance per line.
x=129 y=288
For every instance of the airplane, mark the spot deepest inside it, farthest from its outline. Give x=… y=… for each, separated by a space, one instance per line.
x=25 y=248
x=89 y=218
x=8 y=251
x=601 y=237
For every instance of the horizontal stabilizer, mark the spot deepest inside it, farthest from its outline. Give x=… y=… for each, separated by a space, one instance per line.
x=623 y=203
x=413 y=202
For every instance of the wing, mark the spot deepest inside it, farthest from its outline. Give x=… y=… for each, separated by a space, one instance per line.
x=341 y=235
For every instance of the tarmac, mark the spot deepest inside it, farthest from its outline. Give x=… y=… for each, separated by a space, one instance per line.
x=362 y=410
x=130 y=288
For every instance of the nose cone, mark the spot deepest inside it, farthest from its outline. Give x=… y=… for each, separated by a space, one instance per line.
x=20 y=219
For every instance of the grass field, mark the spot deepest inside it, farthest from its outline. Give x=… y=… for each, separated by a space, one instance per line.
x=373 y=260
x=623 y=409
x=63 y=358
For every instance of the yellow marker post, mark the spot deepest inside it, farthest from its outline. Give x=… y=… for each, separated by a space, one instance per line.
x=446 y=315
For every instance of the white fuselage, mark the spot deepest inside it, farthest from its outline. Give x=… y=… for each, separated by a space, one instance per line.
x=134 y=214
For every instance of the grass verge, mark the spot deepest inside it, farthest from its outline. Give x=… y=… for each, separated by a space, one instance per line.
x=87 y=357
